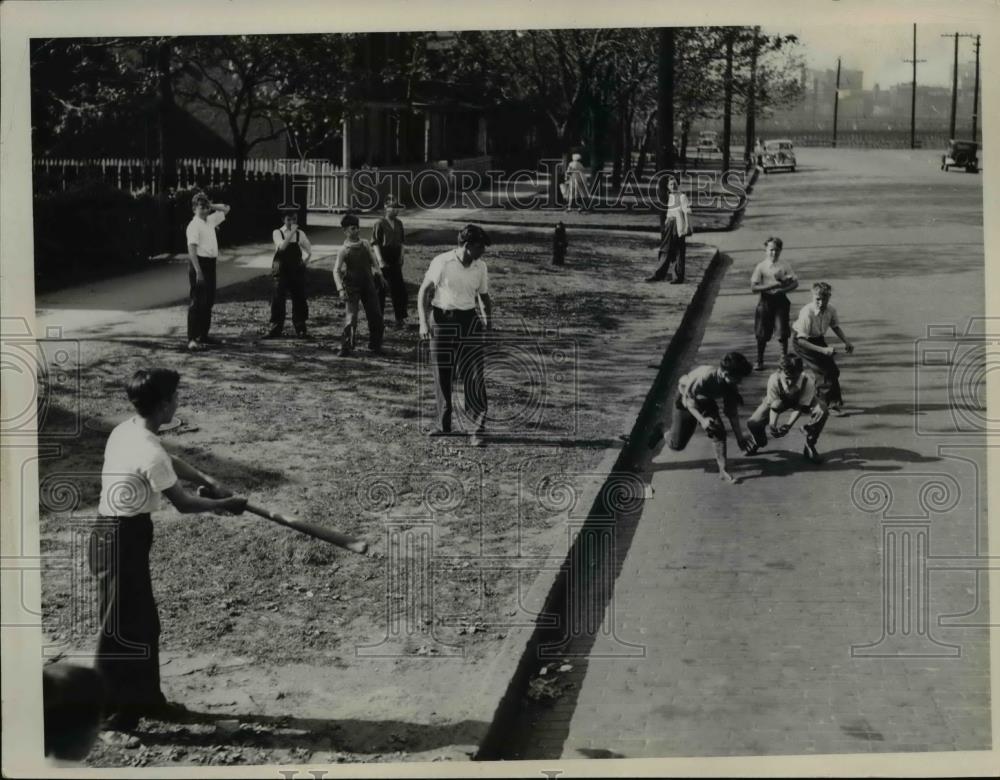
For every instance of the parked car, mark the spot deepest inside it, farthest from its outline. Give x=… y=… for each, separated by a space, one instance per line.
x=961 y=154
x=708 y=141
x=779 y=154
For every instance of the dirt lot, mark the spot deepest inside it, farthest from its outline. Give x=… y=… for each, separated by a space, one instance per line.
x=290 y=649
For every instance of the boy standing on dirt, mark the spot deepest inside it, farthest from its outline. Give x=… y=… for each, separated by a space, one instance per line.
x=790 y=388
x=357 y=275
x=388 y=241
x=137 y=471
x=773 y=280
x=292 y=251
x=808 y=338
x=203 y=252
x=698 y=395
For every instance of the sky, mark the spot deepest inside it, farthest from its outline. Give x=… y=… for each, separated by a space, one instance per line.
x=879 y=51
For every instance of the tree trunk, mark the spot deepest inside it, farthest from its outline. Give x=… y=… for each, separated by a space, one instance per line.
x=727 y=115
x=685 y=132
x=751 y=126
x=166 y=109
x=665 y=101
x=640 y=165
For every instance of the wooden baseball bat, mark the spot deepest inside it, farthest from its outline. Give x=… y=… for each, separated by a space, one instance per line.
x=318 y=532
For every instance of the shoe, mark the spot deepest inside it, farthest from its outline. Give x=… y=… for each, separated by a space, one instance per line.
x=836 y=410
x=195 y=346
x=301 y=332
x=476 y=440
x=273 y=333
x=811 y=453
x=210 y=340
x=653 y=279
x=170 y=711
x=758 y=366
x=435 y=433
x=342 y=352
x=677 y=281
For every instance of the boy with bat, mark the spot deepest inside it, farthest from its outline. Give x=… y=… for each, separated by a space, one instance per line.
x=137 y=471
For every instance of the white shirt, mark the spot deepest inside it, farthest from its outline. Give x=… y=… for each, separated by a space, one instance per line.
x=781 y=393
x=678 y=202
x=812 y=323
x=136 y=471
x=455 y=286
x=202 y=233
x=768 y=273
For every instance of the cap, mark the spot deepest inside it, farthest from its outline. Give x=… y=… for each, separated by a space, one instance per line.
x=473 y=234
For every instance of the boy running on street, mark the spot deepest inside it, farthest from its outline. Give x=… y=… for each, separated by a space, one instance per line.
x=808 y=338
x=772 y=279
x=698 y=395
x=790 y=388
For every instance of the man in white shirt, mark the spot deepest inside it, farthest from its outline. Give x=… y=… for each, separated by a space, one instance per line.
x=454 y=284
x=808 y=338
x=203 y=251
x=773 y=279
x=137 y=471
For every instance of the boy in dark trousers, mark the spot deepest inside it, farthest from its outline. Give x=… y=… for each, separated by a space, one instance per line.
x=137 y=472
x=559 y=244
x=389 y=243
x=793 y=389
x=357 y=275
x=773 y=279
x=203 y=253
x=698 y=395
x=809 y=340
x=291 y=253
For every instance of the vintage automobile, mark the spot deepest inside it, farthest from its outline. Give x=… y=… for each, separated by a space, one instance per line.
x=708 y=142
x=961 y=154
x=778 y=154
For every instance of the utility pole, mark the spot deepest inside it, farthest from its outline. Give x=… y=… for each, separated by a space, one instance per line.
x=836 y=101
x=975 y=97
x=913 y=99
x=954 y=82
x=665 y=101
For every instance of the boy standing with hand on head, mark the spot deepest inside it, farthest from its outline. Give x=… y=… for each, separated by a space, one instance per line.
x=808 y=338
x=203 y=252
x=773 y=279
x=137 y=471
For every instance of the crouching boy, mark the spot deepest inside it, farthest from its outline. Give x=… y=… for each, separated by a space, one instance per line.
x=698 y=395
x=793 y=389
x=137 y=472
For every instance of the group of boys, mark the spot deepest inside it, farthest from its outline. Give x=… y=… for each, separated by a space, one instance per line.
x=791 y=388
x=363 y=271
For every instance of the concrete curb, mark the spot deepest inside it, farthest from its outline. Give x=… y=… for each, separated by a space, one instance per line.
x=507 y=677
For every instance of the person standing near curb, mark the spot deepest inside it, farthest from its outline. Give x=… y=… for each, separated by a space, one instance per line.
x=203 y=252
x=453 y=285
x=676 y=229
x=292 y=251
x=388 y=241
x=576 y=182
x=772 y=279
x=357 y=275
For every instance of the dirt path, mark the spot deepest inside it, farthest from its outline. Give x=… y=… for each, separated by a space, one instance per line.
x=291 y=650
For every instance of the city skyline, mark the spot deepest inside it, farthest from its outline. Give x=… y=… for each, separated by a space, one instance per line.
x=880 y=51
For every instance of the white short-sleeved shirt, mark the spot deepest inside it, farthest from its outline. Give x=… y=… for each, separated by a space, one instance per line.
x=455 y=286
x=136 y=471
x=801 y=394
x=812 y=323
x=768 y=273
x=202 y=233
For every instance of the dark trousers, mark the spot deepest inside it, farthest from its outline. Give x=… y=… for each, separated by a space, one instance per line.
x=828 y=374
x=393 y=275
x=683 y=425
x=772 y=314
x=757 y=424
x=457 y=344
x=673 y=252
x=290 y=282
x=202 y=299
x=367 y=297
x=128 y=648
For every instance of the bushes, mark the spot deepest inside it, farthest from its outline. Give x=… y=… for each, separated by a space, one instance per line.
x=93 y=230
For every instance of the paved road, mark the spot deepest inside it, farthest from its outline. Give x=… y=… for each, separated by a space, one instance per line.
x=749 y=598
